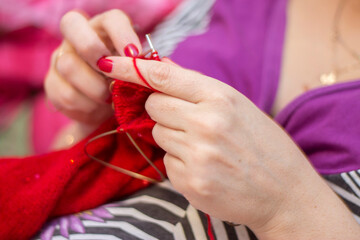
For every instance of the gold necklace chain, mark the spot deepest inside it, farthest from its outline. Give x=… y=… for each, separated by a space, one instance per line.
x=337 y=40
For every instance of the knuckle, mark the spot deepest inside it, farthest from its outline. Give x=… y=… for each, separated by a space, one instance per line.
x=67 y=98
x=155 y=132
x=54 y=56
x=224 y=98
x=212 y=126
x=116 y=13
x=92 y=109
x=89 y=46
x=199 y=154
x=167 y=162
x=172 y=173
x=159 y=75
x=49 y=79
x=64 y=64
x=126 y=71
x=48 y=91
x=68 y=19
x=201 y=186
x=203 y=155
x=150 y=104
x=158 y=135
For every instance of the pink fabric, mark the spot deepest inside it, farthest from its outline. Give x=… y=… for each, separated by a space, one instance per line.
x=29 y=32
x=17 y=14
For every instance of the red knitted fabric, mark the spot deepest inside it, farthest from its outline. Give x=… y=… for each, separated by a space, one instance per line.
x=132 y=117
x=36 y=188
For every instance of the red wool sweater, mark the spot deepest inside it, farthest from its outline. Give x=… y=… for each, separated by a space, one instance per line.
x=34 y=189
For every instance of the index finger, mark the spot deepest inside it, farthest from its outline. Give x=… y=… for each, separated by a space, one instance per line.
x=164 y=77
x=117 y=25
x=86 y=42
x=89 y=37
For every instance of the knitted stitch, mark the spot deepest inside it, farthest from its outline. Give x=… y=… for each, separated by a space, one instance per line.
x=34 y=189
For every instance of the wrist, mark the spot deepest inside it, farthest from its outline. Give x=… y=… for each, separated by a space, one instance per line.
x=314 y=213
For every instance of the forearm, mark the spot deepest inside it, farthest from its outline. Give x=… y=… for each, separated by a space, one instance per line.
x=320 y=214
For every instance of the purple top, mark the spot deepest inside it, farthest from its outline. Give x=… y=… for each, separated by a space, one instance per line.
x=243 y=48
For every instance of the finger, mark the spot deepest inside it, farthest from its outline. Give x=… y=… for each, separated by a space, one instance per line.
x=167 y=78
x=168 y=60
x=67 y=99
x=171 y=141
x=117 y=25
x=93 y=119
x=169 y=111
x=87 y=81
x=176 y=172
x=76 y=29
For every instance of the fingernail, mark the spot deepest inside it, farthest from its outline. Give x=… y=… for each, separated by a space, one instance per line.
x=105 y=65
x=131 y=50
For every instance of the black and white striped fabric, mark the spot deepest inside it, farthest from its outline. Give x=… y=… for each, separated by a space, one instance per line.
x=157 y=212
x=347 y=186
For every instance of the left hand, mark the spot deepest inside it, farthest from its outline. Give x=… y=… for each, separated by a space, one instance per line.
x=222 y=153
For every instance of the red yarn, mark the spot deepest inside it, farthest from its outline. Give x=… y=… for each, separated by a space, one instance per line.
x=132 y=118
x=141 y=76
x=209 y=228
x=36 y=188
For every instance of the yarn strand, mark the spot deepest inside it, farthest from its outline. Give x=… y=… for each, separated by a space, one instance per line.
x=141 y=76
x=119 y=169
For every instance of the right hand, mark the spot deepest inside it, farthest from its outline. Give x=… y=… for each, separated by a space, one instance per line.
x=74 y=84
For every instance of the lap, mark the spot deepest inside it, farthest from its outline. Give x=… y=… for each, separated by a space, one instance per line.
x=157 y=212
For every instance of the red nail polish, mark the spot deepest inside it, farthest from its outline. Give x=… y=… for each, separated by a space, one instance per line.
x=105 y=65
x=131 y=50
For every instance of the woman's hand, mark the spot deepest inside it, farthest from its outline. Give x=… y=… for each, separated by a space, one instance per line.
x=228 y=158
x=74 y=84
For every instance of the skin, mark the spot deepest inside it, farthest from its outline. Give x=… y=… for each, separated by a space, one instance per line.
x=82 y=95
x=208 y=130
x=308 y=50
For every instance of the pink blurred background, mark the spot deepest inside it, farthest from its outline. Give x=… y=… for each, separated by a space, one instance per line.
x=29 y=32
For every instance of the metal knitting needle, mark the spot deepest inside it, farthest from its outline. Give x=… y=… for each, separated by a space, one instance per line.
x=147 y=36
x=154 y=53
